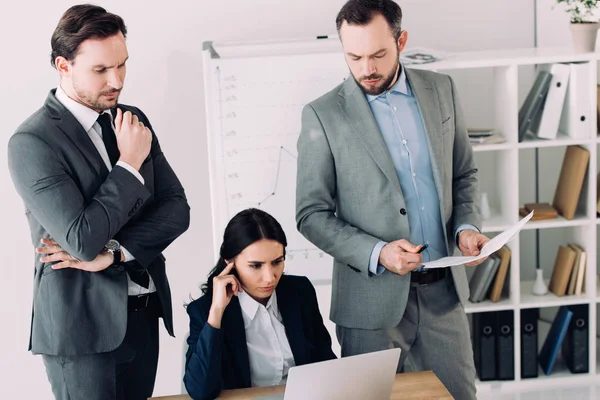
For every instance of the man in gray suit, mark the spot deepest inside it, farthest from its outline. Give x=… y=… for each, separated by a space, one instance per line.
x=103 y=201
x=385 y=170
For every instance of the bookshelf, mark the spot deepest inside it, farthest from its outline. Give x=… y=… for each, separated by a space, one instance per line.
x=507 y=175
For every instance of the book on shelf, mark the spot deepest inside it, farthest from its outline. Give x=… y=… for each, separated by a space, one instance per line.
x=541 y=211
x=482 y=278
x=554 y=340
x=581 y=261
x=422 y=55
x=575 y=270
x=480 y=132
x=503 y=254
x=533 y=103
x=570 y=181
x=493 y=139
x=563 y=266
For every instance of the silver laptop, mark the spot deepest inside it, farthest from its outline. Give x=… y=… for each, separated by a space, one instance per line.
x=366 y=376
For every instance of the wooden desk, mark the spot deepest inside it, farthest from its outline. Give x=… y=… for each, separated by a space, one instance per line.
x=407 y=386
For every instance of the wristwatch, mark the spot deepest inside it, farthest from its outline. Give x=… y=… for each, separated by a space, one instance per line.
x=114 y=248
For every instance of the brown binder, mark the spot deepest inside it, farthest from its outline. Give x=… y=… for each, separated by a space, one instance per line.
x=496 y=290
x=570 y=181
x=563 y=266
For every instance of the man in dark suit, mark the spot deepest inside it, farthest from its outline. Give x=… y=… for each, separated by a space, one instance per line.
x=103 y=201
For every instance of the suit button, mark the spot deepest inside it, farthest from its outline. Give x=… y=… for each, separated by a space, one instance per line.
x=402 y=211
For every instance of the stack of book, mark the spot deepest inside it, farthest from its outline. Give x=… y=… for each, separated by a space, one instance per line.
x=484 y=136
x=489 y=277
x=541 y=211
x=568 y=275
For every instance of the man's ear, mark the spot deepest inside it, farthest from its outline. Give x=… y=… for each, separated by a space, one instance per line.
x=63 y=66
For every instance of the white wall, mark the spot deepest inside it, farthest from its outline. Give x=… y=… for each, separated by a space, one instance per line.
x=165 y=80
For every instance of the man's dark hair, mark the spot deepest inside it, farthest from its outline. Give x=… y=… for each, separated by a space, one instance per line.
x=361 y=12
x=79 y=23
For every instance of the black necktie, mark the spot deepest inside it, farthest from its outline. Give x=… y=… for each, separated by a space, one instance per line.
x=109 y=138
x=110 y=142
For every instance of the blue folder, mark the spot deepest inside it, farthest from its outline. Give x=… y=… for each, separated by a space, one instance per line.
x=554 y=340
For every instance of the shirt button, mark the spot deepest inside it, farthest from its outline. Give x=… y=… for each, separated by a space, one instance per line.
x=422 y=208
x=404 y=141
x=395 y=108
x=414 y=174
x=402 y=211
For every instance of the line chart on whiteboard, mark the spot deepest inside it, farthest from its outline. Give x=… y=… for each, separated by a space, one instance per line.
x=256 y=120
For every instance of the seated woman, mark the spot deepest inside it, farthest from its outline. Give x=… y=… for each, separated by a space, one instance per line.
x=253 y=322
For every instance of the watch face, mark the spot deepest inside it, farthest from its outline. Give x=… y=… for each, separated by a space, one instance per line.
x=112 y=245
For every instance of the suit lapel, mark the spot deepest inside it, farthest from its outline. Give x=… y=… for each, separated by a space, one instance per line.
x=289 y=307
x=68 y=124
x=235 y=336
x=428 y=102
x=358 y=113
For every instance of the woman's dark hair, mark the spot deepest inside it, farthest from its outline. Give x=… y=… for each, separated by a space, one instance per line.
x=361 y=12
x=246 y=227
x=79 y=23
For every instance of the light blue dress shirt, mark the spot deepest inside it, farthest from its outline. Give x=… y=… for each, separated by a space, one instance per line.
x=399 y=119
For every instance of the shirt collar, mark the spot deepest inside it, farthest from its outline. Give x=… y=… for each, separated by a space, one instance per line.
x=401 y=86
x=250 y=306
x=84 y=115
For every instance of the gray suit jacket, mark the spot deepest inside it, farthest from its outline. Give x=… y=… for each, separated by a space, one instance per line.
x=69 y=195
x=348 y=195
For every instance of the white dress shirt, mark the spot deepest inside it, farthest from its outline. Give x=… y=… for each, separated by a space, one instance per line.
x=88 y=120
x=269 y=350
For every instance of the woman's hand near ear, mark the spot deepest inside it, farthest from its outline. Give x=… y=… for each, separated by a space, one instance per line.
x=225 y=286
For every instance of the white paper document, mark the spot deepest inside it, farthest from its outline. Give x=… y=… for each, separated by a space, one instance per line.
x=490 y=247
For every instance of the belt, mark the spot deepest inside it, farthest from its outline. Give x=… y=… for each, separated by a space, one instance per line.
x=428 y=276
x=143 y=301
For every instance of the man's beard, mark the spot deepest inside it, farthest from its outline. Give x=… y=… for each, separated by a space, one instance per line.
x=385 y=83
x=96 y=102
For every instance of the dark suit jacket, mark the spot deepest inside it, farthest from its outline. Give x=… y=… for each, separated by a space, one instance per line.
x=217 y=359
x=69 y=195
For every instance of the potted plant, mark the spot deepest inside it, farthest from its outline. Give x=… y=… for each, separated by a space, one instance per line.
x=584 y=22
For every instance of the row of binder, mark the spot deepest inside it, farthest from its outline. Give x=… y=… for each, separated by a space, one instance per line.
x=493 y=343
x=559 y=100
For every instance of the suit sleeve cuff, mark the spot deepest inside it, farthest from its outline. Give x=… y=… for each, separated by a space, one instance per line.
x=374 y=267
x=464 y=227
x=132 y=170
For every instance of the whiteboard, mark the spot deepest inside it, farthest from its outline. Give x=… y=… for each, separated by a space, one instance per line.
x=253 y=103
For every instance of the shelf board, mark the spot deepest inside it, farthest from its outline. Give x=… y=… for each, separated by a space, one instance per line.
x=487 y=305
x=561 y=140
x=529 y=300
x=491 y=147
x=497 y=223
x=508 y=57
x=562 y=377
x=558 y=222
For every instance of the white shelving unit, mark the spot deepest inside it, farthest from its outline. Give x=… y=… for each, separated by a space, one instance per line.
x=500 y=176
